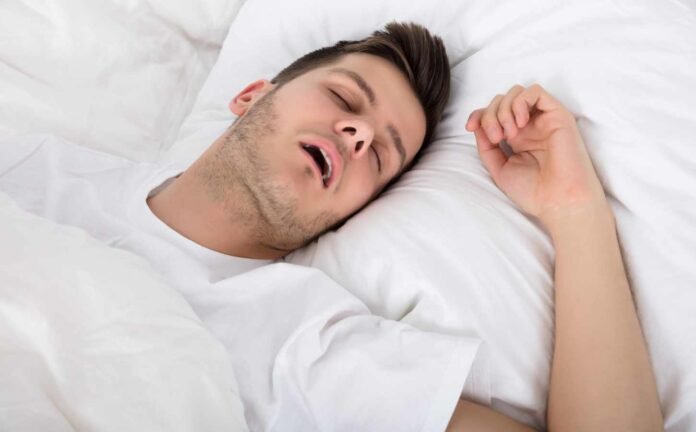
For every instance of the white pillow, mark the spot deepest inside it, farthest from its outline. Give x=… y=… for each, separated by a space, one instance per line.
x=205 y=22
x=258 y=46
x=444 y=249
x=116 y=75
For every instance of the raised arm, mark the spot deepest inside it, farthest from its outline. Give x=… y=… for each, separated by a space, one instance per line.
x=601 y=377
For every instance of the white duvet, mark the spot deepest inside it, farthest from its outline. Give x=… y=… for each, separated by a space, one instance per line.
x=92 y=339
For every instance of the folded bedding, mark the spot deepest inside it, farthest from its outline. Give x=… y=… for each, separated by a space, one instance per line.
x=116 y=75
x=93 y=338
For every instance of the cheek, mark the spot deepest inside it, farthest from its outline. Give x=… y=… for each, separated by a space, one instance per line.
x=357 y=189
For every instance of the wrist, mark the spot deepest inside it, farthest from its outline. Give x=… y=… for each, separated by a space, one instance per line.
x=577 y=219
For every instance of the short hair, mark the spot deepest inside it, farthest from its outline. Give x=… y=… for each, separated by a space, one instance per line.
x=418 y=54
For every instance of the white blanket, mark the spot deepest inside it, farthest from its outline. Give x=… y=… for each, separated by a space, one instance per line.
x=92 y=339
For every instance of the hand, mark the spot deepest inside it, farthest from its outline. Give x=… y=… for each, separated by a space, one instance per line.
x=550 y=172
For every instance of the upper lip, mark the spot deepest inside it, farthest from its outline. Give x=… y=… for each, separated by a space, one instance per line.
x=330 y=149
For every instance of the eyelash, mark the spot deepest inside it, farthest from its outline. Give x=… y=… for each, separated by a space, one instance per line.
x=343 y=101
x=350 y=109
x=379 y=160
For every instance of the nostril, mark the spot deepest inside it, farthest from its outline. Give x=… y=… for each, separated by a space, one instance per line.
x=359 y=145
x=351 y=130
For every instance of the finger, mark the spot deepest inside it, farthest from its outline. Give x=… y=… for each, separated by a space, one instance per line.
x=489 y=120
x=474 y=121
x=534 y=97
x=505 y=114
x=523 y=104
x=491 y=155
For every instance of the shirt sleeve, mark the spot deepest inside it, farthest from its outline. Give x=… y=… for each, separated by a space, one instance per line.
x=309 y=356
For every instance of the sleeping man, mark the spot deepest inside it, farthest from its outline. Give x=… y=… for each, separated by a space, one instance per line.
x=309 y=149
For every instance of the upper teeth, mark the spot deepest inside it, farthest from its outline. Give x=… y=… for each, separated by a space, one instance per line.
x=327 y=159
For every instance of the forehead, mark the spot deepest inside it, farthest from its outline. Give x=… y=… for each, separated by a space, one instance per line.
x=396 y=104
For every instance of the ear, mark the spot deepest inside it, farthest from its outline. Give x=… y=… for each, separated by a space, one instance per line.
x=248 y=97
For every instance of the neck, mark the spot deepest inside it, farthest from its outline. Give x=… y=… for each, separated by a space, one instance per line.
x=186 y=207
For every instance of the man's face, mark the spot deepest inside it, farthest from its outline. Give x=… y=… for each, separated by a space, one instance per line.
x=318 y=148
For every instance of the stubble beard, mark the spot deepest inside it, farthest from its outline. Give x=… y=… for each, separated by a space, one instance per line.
x=238 y=176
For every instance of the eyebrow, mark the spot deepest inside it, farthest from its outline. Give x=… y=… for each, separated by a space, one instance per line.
x=360 y=82
x=370 y=94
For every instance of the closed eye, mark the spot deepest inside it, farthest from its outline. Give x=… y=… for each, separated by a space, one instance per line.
x=340 y=98
x=379 y=160
x=347 y=107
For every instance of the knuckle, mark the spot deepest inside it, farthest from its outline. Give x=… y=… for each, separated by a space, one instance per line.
x=519 y=104
x=489 y=120
x=568 y=117
x=536 y=87
x=505 y=116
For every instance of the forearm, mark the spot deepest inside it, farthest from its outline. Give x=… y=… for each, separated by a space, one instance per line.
x=601 y=377
x=472 y=417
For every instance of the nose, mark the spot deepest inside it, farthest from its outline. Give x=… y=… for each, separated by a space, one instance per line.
x=357 y=134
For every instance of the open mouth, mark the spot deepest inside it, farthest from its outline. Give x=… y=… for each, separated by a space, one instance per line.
x=322 y=160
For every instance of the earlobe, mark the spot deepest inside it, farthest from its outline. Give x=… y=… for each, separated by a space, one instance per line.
x=248 y=97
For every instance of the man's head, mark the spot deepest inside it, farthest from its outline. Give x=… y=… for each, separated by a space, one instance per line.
x=324 y=137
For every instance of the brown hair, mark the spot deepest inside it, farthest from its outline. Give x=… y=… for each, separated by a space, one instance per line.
x=420 y=56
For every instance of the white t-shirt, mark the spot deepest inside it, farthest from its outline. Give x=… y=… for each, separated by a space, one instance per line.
x=307 y=354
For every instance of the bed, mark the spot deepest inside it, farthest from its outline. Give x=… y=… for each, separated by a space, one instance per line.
x=443 y=250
